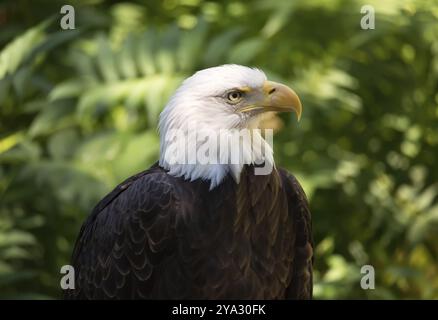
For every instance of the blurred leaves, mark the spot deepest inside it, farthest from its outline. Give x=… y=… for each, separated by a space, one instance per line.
x=13 y=55
x=79 y=108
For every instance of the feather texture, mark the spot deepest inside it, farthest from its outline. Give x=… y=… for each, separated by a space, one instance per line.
x=156 y=236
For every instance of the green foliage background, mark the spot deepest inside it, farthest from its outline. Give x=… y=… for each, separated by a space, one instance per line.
x=78 y=114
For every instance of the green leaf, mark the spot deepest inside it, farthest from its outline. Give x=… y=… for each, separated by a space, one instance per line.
x=12 y=56
x=16 y=237
x=67 y=89
x=246 y=50
x=106 y=60
x=220 y=45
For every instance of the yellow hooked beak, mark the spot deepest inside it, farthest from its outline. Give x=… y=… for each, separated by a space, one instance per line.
x=277 y=97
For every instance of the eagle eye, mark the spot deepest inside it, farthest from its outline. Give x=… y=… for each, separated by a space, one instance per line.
x=234 y=96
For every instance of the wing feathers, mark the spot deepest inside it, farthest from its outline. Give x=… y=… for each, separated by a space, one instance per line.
x=301 y=285
x=125 y=239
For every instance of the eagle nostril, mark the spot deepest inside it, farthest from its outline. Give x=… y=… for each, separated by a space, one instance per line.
x=271 y=91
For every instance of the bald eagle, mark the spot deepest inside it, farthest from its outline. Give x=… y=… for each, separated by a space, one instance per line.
x=183 y=230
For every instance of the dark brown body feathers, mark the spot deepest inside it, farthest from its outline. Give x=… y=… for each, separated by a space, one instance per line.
x=160 y=237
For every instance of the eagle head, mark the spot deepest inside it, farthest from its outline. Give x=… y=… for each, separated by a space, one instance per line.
x=214 y=103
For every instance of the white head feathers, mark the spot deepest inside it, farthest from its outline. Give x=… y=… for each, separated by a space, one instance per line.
x=200 y=105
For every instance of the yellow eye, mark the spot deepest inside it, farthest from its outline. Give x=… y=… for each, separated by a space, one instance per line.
x=234 y=96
